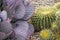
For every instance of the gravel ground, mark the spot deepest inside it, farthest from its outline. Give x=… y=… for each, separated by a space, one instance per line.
x=43 y=3
x=35 y=36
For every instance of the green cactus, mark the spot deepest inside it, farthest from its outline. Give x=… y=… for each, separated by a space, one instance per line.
x=46 y=34
x=57 y=6
x=55 y=26
x=58 y=18
x=58 y=38
x=43 y=17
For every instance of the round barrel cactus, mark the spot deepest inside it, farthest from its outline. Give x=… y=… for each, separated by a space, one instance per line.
x=58 y=18
x=55 y=26
x=57 y=5
x=43 y=17
x=46 y=34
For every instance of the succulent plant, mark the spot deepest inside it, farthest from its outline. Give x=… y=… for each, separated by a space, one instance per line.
x=46 y=34
x=57 y=5
x=58 y=38
x=58 y=18
x=2 y=35
x=24 y=29
x=55 y=26
x=3 y=15
x=6 y=28
x=43 y=17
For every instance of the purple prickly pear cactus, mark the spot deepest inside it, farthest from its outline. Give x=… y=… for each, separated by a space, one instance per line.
x=29 y=10
x=6 y=28
x=24 y=29
x=5 y=25
x=3 y=15
x=14 y=8
x=2 y=35
x=18 y=10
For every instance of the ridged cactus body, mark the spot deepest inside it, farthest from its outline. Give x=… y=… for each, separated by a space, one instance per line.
x=43 y=17
x=58 y=18
x=55 y=26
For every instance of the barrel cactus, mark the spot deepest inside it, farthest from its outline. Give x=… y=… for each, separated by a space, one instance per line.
x=58 y=18
x=43 y=17
x=46 y=34
x=57 y=5
x=58 y=38
x=55 y=26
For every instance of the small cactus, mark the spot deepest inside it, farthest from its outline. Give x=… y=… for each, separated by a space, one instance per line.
x=46 y=34
x=57 y=5
x=54 y=26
